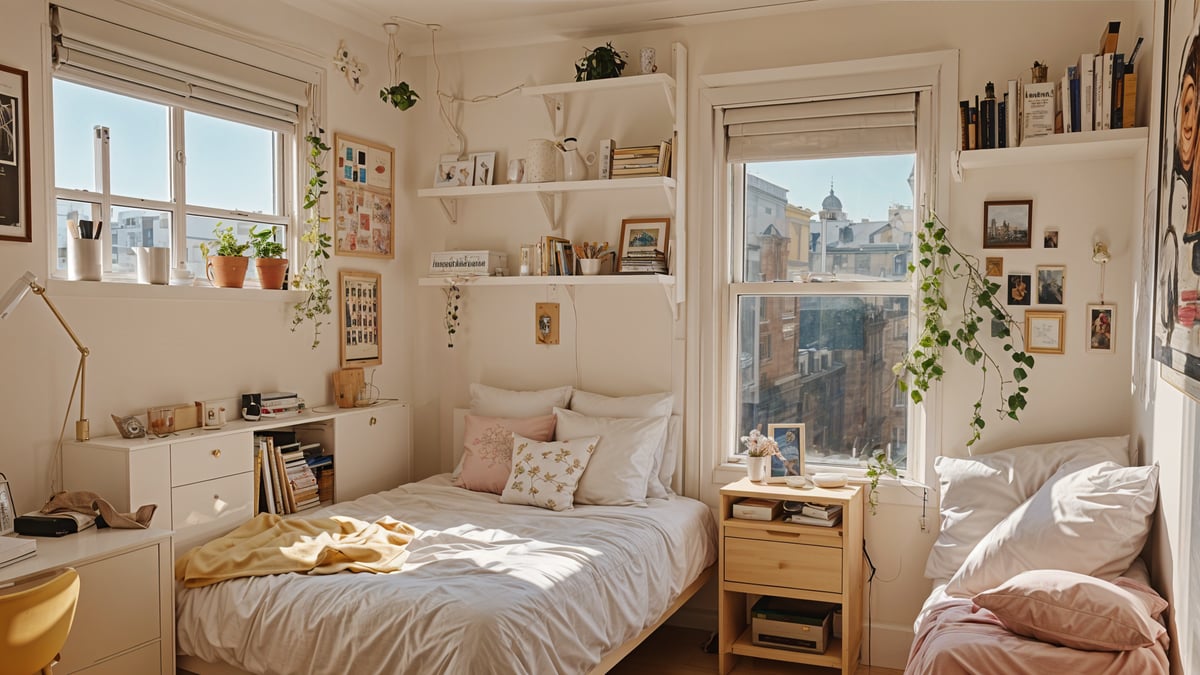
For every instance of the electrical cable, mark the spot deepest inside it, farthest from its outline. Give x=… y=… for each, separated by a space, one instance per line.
x=870 y=604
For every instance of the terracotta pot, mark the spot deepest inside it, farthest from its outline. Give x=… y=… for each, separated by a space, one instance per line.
x=271 y=272
x=227 y=271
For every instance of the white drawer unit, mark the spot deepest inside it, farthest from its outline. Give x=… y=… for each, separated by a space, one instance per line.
x=206 y=458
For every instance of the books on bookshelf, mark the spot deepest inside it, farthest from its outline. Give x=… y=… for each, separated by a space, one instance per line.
x=284 y=473
x=802 y=519
x=643 y=262
x=643 y=160
x=823 y=511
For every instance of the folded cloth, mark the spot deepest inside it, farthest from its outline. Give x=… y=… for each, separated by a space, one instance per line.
x=92 y=504
x=268 y=544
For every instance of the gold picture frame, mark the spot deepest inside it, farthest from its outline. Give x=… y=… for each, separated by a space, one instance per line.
x=1045 y=332
x=360 y=299
x=364 y=207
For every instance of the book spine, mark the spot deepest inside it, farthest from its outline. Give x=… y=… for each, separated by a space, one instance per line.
x=973 y=128
x=606 y=157
x=1002 y=122
x=1118 y=90
x=1014 y=115
x=964 y=125
x=1064 y=100
x=987 y=121
x=1037 y=110
x=1076 y=108
x=1103 y=92
x=1129 y=109
x=1108 y=38
x=978 y=125
x=1087 y=86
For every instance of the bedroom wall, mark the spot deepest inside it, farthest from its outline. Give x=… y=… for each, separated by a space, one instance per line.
x=150 y=352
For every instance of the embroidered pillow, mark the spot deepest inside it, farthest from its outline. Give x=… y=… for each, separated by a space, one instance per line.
x=487 y=448
x=547 y=474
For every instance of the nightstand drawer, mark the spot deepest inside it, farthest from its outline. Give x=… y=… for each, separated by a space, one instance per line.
x=205 y=458
x=770 y=563
x=222 y=503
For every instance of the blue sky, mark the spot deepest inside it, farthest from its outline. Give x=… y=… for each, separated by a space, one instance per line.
x=866 y=185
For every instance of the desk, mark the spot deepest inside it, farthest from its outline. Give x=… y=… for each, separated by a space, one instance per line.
x=125 y=617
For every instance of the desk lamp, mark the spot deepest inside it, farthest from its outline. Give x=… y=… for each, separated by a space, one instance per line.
x=16 y=293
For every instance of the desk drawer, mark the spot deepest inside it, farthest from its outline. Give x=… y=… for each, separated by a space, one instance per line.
x=221 y=503
x=205 y=458
x=770 y=563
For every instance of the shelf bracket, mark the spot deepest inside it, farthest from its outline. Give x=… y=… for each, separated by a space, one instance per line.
x=552 y=204
x=669 y=291
x=450 y=208
x=956 y=167
x=669 y=90
x=669 y=193
x=554 y=108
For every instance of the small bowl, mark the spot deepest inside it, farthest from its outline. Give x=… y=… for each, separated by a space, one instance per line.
x=798 y=482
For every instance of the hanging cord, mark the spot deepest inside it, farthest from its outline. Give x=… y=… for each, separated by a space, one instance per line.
x=870 y=603
x=449 y=122
x=394 y=57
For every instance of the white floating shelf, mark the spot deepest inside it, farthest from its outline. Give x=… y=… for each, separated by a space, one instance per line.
x=1074 y=147
x=631 y=81
x=645 y=182
x=576 y=280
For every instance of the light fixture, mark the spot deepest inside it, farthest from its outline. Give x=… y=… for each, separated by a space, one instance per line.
x=1100 y=253
x=16 y=293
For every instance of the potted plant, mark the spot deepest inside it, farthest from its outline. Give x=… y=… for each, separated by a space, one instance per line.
x=268 y=258
x=226 y=267
x=311 y=277
x=759 y=451
x=878 y=466
x=401 y=96
x=600 y=63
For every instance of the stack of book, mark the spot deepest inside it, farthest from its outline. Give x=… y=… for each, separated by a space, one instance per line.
x=301 y=481
x=322 y=467
x=14 y=550
x=288 y=484
x=280 y=403
x=643 y=262
x=821 y=515
x=642 y=160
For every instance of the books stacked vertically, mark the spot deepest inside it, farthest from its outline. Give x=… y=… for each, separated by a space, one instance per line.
x=821 y=515
x=281 y=468
x=301 y=481
x=321 y=466
x=642 y=160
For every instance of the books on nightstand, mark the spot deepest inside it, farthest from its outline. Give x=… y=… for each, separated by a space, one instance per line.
x=757 y=509
x=821 y=515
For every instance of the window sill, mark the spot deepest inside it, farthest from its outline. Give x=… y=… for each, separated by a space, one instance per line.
x=130 y=289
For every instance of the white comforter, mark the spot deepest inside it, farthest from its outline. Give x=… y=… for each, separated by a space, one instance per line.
x=487 y=588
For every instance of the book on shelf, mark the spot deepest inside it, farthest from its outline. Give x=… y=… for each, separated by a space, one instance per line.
x=1129 y=108
x=1073 y=85
x=1014 y=114
x=549 y=257
x=822 y=511
x=987 y=117
x=1037 y=109
x=16 y=549
x=1064 y=101
x=311 y=449
x=802 y=519
x=1002 y=122
x=1109 y=36
x=270 y=505
x=1118 y=91
x=1087 y=92
x=973 y=126
x=964 y=125
x=606 y=157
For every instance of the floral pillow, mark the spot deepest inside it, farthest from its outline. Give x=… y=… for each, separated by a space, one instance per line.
x=488 y=445
x=547 y=474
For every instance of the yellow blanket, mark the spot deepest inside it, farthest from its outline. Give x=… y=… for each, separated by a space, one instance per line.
x=269 y=544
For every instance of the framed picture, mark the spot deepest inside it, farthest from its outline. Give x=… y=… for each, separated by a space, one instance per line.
x=483 y=170
x=1102 y=320
x=14 y=156
x=1044 y=332
x=790 y=438
x=993 y=267
x=362 y=193
x=1007 y=224
x=454 y=172
x=361 y=302
x=1019 y=289
x=1050 y=238
x=642 y=238
x=1051 y=284
x=8 y=512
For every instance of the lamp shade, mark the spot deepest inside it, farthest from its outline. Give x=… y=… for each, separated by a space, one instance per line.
x=16 y=293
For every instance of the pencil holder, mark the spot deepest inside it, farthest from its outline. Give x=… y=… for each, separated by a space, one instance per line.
x=85 y=259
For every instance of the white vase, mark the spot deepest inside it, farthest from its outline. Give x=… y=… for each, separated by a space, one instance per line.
x=757 y=468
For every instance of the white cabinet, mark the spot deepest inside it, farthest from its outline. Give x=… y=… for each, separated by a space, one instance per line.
x=125 y=617
x=203 y=481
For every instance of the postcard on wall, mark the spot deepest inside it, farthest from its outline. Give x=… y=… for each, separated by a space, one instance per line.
x=360 y=303
x=363 y=204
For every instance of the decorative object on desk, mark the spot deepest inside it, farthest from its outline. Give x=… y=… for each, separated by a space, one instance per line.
x=311 y=278
x=213 y=414
x=14 y=155
x=516 y=171
x=647 y=61
x=226 y=262
x=8 y=512
x=453 y=298
x=92 y=504
x=129 y=427
x=1045 y=332
x=789 y=461
x=400 y=95
x=1051 y=284
x=940 y=267
x=28 y=282
x=361 y=305
x=161 y=421
x=830 y=479
x=268 y=258
x=363 y=210
x=643 y=248
x=541 y=161
x=1102 y=321
x=879 y=464
x=574 y=164
x=153 y=264
x=1008 y=224
x=600 y=63
x=759 y=452
x=483 y=168
x=348 y=65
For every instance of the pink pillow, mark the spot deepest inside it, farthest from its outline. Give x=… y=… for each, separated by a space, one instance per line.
x=1075 y=610
x=488 y=445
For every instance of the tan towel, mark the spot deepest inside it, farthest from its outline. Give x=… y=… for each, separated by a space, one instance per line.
x=94 y=505
x=269 y=544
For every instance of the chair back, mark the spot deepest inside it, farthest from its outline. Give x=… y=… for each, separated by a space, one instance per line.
x=35 y=618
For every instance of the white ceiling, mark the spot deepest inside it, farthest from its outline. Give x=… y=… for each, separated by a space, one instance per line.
x=482 y=24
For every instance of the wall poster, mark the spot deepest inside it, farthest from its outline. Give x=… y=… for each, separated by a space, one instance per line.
x=362 y=191
x=361 y=302
x=14 y=155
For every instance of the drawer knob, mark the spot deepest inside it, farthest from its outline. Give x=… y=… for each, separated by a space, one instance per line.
x=216 y=453
x=373 y=421
x=216 y=498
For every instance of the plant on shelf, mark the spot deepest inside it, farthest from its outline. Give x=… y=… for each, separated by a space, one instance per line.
x=268 y=257
x=600 y=63
x=940 y=264
x=878 y=466
x=226 y=262
x=759 y=451
x=453 y=297
x=311 y=278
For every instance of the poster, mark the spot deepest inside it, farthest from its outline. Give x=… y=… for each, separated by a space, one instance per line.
x=14 y=156
x=363 y=205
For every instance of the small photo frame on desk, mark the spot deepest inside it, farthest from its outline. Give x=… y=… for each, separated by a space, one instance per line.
x=790 y=439
x=8 y=512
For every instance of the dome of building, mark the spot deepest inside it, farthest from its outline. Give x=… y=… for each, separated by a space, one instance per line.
x=831 y=203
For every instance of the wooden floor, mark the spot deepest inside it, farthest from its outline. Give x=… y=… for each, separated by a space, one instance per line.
x=680 y=651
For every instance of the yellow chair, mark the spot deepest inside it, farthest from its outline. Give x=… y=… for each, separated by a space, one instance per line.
x=35 y=618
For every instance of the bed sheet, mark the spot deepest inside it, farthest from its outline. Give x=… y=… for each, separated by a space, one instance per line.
x=487 y=588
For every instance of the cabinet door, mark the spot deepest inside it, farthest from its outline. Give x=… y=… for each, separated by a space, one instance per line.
x=372 y=451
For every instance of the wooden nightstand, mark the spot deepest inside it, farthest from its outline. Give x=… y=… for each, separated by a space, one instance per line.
x=788 y=560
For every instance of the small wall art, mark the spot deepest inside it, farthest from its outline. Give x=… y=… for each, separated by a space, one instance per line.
x=1102 y=321
x=454 y=172
x=1019 y=289
x=1007 y=224
x=994 y=267
x=363 y=205
x=1051 y=284
x=483 y=166
x=1044 y=332
x=14 y=155
x=361 y=302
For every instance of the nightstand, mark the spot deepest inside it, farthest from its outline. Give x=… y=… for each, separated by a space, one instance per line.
x=789 y=560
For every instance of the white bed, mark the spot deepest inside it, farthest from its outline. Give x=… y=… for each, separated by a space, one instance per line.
x=487 y=588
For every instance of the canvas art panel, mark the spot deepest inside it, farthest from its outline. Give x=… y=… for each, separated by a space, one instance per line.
x=1007 y=224
x=363 y=204
x=361 y=322
x=14 y=156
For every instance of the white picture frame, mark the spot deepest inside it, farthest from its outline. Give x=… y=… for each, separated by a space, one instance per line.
x=453 y=172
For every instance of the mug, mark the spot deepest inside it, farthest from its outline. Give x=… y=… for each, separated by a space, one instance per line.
x=153 y=264
x=648 y=65
x=516 y=170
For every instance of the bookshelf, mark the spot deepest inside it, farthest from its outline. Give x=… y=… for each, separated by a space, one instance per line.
x=1082 y=146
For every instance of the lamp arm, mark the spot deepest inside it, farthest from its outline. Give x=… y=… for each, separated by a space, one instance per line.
x=40 y=291
x=82 y=431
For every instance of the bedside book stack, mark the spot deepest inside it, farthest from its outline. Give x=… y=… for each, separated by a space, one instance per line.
x=821 y=515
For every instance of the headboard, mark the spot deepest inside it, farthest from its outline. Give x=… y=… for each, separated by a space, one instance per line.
x=674 y=440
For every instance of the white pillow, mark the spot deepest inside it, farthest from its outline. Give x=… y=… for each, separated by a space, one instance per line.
x=1088 y=518
x=547 y=474
x=493 y=402
x=978 y=492
x=622 y=465
x=645 y=405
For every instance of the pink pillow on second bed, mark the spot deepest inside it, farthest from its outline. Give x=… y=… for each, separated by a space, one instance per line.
x=488 y=447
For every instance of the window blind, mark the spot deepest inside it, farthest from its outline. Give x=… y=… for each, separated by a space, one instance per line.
x=847 y=127
x=95 y=50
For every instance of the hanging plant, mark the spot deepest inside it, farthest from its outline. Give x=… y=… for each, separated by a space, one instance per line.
x=938 y=264
x=600 y=63
x=878 y=466
x=453 y=298
x=400 y=95
x=312 y=278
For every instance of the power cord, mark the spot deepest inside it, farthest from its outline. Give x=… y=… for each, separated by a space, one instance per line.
x=870 y=603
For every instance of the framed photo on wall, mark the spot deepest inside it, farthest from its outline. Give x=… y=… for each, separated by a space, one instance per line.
x=1102 y=322
x=360 y=298
x=14 y=155
x=1008 y=224
x=1045 y=332
x=790 y=438
x=362 y=194
x=1051 y=284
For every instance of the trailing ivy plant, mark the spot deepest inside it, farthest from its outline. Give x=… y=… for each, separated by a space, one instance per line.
x=940 y=265
x=453 y=298
x=311 y=278
x=878 y=466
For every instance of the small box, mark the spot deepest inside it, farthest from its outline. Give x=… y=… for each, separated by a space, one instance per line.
x=757 y=509
x=796 y=625
x=468 y=263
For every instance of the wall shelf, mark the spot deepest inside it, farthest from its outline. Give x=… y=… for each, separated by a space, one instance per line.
x=554 y=95
x=1074 y=147
x=663 y=281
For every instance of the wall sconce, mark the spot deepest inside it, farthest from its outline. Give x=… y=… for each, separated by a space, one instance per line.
x=1100 y=254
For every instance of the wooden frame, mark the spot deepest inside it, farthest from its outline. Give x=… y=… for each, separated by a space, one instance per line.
x=642 y=236
x=364 y=208
x=993 y=267
x=1051 y=284
x=8 y=512
x=791 y=441
x=360 y=299
x=1045 y=332
x=14 y=156
x=483 y=168
x=1101 y=328
x=1008 y=224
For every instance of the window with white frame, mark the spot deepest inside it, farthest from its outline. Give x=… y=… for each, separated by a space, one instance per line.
x=161 y=141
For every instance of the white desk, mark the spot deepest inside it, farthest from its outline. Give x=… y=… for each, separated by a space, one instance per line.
x=125 y=617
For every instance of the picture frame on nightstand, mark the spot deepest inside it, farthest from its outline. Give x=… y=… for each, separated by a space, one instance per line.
x=8 y=512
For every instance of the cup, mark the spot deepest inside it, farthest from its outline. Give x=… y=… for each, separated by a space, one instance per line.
x=153 y=264
x=648 y=65
x=589 y=266
x=516 y=170
x=85 y=259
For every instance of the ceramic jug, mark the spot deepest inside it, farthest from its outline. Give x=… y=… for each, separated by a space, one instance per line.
x=153 y=264
x=574 y=164
x=541 y=161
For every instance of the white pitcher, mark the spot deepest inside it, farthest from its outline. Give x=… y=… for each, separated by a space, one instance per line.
x=574 y=164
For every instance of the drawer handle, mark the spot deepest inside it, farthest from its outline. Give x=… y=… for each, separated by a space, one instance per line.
x=216 y=453
x=776 y=533
x=216 y=498
x=373 y=420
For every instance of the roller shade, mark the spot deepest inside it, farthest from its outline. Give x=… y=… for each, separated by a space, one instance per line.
x=848 y=127
x=92 y=49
